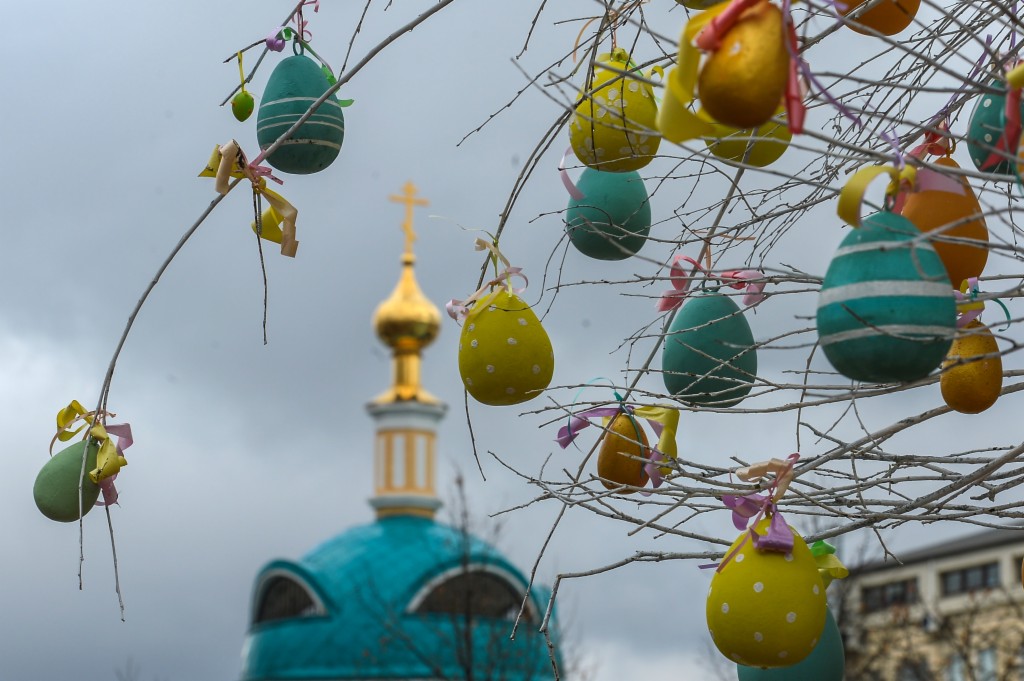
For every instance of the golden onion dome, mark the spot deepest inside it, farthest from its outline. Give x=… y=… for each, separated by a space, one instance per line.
x=407 y=321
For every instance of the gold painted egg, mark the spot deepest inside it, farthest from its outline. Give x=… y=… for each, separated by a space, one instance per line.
x=974 y=386
x=769 y=144
x=614 y=126
x=616 y=461
x=767 y=609
x=505 y=356
x=741 y=84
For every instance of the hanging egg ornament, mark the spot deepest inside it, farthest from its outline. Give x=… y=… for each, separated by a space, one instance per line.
x=620 y=460
x=505 y=356
x=932 y=210
x=769 y=142
x=699 y=4
x=827 y=662
x=56 y=487
x=987 y=129
x=242 y=105
x=294 y=85
x=971 y=385
x=765 y=608
x=613 y=127
x=889 y=17
x=613 y=219
x=709 y=356
x=742 y=82
x=886 y=310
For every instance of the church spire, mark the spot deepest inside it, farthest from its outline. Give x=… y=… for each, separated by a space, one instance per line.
x=406 y=414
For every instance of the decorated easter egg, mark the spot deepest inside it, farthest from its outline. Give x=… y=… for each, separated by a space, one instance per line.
x=987 y=127
x=767 y=142
x=242 y=105
x=765 y=608
x=699 y=4
x=742 y=82
x=623 y=441
x=888 y=17
x=613 y=219
x=505 y=355
x=886 y=311
x=932 y=211
x=827 y=662
x=56 y=488
x=970 y=385
x=294 y=85
x=613 y=127
x=709 y=357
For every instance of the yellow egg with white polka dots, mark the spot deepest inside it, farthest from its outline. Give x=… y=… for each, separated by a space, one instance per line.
x=765 y=608
x=614 y=125
x=505 y=356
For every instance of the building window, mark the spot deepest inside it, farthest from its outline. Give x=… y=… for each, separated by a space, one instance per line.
x=875 y=598
x=987 y=665
x=281 y=597
x=913 y=670
x=475 y=593
x=970 y=579
x=956 y=670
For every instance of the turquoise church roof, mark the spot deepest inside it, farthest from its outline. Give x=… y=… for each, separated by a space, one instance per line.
x=363 y=617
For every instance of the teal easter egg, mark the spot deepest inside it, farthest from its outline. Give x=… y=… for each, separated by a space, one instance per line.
x=986 y=128
x=56 y=488
x=827 y=662
x=709 y=356
x=613 y=219
x=886 y=310
x=294 y=85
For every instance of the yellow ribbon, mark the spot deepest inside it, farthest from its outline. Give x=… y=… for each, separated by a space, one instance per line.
x=108 y=460
x=227 y=162
x=66 y=417
x=829 y=565
x=852 y=195
x=676 y=121
x=669 y=420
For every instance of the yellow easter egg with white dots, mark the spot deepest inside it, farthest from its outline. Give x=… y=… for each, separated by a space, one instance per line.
x=505 y=356
x=614 y=125
x=765 y=608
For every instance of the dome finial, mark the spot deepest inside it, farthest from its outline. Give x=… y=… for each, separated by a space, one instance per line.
x=407 y=321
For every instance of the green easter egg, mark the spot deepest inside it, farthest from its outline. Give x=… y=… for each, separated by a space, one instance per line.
x=294 y=85
x=886 y=310
x=987 y=126
x=827 y=662
x=242 y=105
x=709 y=357
x=56 y=488
x=613 y=219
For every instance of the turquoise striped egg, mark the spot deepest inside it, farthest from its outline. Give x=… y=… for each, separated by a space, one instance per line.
x=987 y=126
x=886 y=311
x=294 y=85
x=709 y=357
x=613 y=219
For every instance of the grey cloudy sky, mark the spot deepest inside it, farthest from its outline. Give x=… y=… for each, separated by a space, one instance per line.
x=246 y=452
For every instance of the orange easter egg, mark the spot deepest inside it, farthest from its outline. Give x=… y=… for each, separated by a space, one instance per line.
x=888 y=17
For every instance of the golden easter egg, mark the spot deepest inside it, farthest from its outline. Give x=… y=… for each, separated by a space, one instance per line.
x=958 y=216
x=741 y=84
x=766 y=609
x=623 y=441
x=699 y=4
x=888 y=17
x=505 y=356
x=614 y=125
x=767 y=142
x=971 y=386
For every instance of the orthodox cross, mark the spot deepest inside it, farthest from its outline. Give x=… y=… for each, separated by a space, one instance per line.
x=409 y=198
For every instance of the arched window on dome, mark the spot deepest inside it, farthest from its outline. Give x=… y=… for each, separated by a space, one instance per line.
x=480 y=591
x=282 y=596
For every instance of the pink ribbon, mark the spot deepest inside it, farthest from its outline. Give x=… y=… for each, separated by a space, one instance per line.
x=796 y=87
x=123 y=432
x=710 y=37
x=458 y=309
x=681 y=280
x=573 y=190
x=754 y=290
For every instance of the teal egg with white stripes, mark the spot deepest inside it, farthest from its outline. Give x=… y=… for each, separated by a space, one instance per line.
x=294 y=85
x=709 y=357
x=886 y=310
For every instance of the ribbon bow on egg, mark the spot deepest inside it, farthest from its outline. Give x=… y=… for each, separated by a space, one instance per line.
x=110 y=457
x=752 y=281
x=968 y=306
x=276 y=223
x=457 y=309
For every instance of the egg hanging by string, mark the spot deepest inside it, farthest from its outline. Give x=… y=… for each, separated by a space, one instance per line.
x=827 y=662
x=888 y=17
x=972 y=373
x=624 y=452
x=613 y=127
x=612 y=219
x=767 y=142
x=56 y=487
x=991 y=144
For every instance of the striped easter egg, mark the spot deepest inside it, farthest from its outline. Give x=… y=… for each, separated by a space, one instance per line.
x=294 y=85
x=886 y=311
